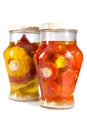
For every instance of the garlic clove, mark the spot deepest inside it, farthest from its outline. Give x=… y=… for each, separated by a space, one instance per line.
x=13 y=65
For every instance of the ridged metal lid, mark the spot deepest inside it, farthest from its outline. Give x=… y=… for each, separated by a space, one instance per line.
x=23 y=28
x=58 y=26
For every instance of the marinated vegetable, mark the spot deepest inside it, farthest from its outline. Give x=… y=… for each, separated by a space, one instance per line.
x=48 y=71
x=21 y=69
x=58 y=66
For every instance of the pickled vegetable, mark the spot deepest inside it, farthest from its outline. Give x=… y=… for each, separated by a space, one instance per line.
x=17 y=60
x=30 y=47
x=58 y=66
x=21 y=69
x=68 y=81
x=52 y=89
x=48 y=71
x=61 y=61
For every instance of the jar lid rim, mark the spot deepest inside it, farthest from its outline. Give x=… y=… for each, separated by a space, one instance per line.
x=58 y=26
x=23 y=28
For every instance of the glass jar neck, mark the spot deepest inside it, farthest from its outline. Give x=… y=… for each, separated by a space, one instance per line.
x=58 y=35
x=15 y=36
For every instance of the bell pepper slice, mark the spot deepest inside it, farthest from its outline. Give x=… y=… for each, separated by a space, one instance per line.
x=24 y=43
x=26 y=46
x=23 y=39
x=17 y=86
x=48 y=71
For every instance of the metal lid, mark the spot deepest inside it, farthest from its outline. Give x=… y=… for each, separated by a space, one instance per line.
x=23 y=28
x=58 y=26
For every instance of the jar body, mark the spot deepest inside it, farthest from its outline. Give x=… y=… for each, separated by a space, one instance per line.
x=58 y=63
x=20 y=65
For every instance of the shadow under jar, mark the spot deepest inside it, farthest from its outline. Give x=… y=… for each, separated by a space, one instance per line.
x=24 y=41
x=58 y=62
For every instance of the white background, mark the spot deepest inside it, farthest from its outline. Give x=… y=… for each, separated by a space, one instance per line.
x=30 y=116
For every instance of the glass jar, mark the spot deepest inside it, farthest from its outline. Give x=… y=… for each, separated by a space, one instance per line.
x=58 y=62
x=19 y=61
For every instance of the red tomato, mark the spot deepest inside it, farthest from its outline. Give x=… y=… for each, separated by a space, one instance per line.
x=68 y=80
x=52 y=89
x=48 y=71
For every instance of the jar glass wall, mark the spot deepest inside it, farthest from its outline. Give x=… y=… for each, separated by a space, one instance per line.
x=58 y=62
x=20 y=64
